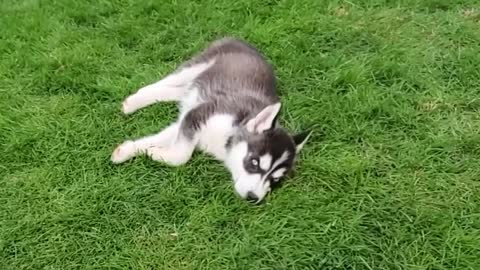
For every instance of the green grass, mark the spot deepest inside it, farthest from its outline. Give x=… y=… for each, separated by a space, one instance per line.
x=390 y=179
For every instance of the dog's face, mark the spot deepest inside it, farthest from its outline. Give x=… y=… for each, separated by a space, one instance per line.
x=260 y=155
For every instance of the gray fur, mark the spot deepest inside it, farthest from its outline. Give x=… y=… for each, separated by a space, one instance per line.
x=240 y=82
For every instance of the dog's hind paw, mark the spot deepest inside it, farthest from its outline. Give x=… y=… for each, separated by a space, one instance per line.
x=123 y=152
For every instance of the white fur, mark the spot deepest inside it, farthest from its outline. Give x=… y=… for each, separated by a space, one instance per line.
x=130 y=149
x=246 y=182
x=279 y=161
x=265 y=161
x=264 y=119
x=189 y=101
x=279 y=173
x=124 y=152
x=214 y=134
x=167 y=146
x=161 y=146
x=171 y=88
x=300 y=146
x=176 y=154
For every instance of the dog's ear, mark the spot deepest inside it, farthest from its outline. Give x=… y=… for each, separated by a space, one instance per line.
x=265 y=119
x=300 y=139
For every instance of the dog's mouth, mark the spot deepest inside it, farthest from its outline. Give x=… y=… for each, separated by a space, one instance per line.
x=251 y=198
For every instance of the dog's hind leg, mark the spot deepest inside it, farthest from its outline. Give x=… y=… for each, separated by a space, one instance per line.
x=171 y=88
x=189 y=130
x=175 y=154
x=130 y=149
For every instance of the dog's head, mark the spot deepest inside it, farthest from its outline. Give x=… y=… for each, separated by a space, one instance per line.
x=260 y=154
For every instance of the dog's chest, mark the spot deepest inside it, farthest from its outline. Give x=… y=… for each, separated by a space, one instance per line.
x=214 y=134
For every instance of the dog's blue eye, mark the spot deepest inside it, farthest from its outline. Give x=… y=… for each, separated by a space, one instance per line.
x=254 y=162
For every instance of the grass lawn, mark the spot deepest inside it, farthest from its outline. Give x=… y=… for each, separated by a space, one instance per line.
x=390 y=179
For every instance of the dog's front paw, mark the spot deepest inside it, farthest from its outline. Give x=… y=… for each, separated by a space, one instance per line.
x=128 y=106
x=123 y=152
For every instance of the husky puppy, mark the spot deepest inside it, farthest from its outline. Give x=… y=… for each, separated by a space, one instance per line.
x=228 y=108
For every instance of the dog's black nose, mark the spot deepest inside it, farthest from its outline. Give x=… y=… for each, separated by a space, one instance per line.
x=251 y=197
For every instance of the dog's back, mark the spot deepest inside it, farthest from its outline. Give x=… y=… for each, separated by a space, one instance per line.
x=240 y=76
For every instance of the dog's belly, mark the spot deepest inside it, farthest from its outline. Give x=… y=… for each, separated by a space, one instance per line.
x=214 y=135
x=189 y=101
